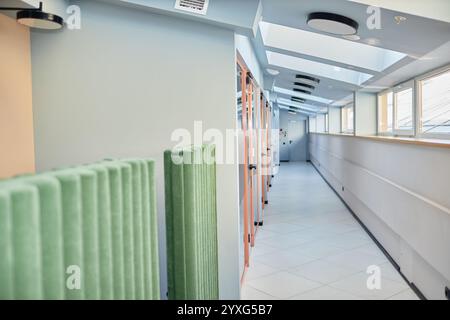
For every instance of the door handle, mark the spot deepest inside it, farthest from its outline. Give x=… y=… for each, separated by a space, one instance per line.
x=252 y=167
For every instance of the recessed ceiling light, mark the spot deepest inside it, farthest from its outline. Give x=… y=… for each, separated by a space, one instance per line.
x=372 y=41
x=332 y=23
x=300 y=76
x=351 y=37
x=293 y=113
x=300 y=84
x=400 y=19
x=272 y=72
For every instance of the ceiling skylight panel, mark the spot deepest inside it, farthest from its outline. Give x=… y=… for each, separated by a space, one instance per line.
x=328 y=48
x=317 y=68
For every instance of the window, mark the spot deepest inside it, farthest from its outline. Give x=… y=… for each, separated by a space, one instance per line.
x=347 y=119
x=385 y=113
x=435 y=104
x=320 y=125
x=312 y=124
x=403 y=110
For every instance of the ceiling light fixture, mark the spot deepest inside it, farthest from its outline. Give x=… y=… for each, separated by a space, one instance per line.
x=332 y=23
x=372 y=41
x=36 y=18
x=351 y=37
x=400 y=19
x=301 y=90
x=292 y=112
x=300 y=76
x=273 y=72
x=300 y=100
x=299 y=84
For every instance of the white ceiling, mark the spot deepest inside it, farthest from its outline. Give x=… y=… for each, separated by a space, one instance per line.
x=381 y=58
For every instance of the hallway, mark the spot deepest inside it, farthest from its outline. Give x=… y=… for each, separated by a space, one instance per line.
x=311 y=247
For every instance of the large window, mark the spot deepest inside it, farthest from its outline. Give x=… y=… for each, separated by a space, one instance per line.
x=320 y=123
x=385 y=113
x=396 y=110
x=435 y=104
x=347 y=117
x=312 y=124
x=404 y=110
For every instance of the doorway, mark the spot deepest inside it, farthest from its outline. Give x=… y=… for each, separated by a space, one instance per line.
x=293 y=138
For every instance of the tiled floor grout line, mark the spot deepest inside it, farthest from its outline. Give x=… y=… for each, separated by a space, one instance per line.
x=317 y=222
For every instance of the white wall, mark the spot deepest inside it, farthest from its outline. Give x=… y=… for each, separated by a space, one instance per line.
x=121 y=85
x=401 y=193
x=365 y=113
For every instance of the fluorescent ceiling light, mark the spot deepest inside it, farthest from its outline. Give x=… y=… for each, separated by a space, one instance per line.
x=301 y=95
x=296 y=106
x=303 y=106
x=329 y=48
x=283 y=107
x=317 y=68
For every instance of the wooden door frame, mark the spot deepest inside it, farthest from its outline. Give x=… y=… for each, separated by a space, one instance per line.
x=244 y=124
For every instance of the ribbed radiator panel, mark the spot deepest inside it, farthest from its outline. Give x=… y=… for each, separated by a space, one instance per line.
x=191 y=222
x=80 y=233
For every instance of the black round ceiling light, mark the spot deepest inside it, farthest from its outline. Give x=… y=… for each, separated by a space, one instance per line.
x=36 y=18
x=304 y=85
x=39 y=19
x=332 y=23
x=303 y=77
x=302 y=91
x=299 y=100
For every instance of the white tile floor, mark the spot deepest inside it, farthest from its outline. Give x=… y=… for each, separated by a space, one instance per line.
x=311 y=247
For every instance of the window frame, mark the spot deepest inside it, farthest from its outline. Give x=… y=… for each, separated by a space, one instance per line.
x=315 y=124
x=344 y=130
x=419 y=80
x=411 y=84
x=387 y=133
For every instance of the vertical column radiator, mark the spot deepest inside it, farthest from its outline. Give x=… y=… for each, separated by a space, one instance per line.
x=191 y=222
x=81 y=233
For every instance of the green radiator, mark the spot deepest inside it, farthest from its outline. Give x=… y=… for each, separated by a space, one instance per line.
x=81 y=233
x=191 y=222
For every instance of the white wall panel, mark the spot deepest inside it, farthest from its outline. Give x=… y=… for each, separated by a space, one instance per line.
x=401 y=194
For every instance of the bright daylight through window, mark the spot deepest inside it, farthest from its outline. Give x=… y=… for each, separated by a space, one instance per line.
x=385 y=112
x=404 y=110
x=435 y=101
x=347 y=119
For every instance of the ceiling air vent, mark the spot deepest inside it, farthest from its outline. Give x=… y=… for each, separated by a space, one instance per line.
x=193 y=6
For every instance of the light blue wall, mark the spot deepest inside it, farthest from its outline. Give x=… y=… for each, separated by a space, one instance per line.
x=247 y=52
x=121 y=85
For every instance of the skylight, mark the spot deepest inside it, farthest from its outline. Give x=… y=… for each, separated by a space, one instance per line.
x=327 y=47
x=317 y=68
x=301 y=95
